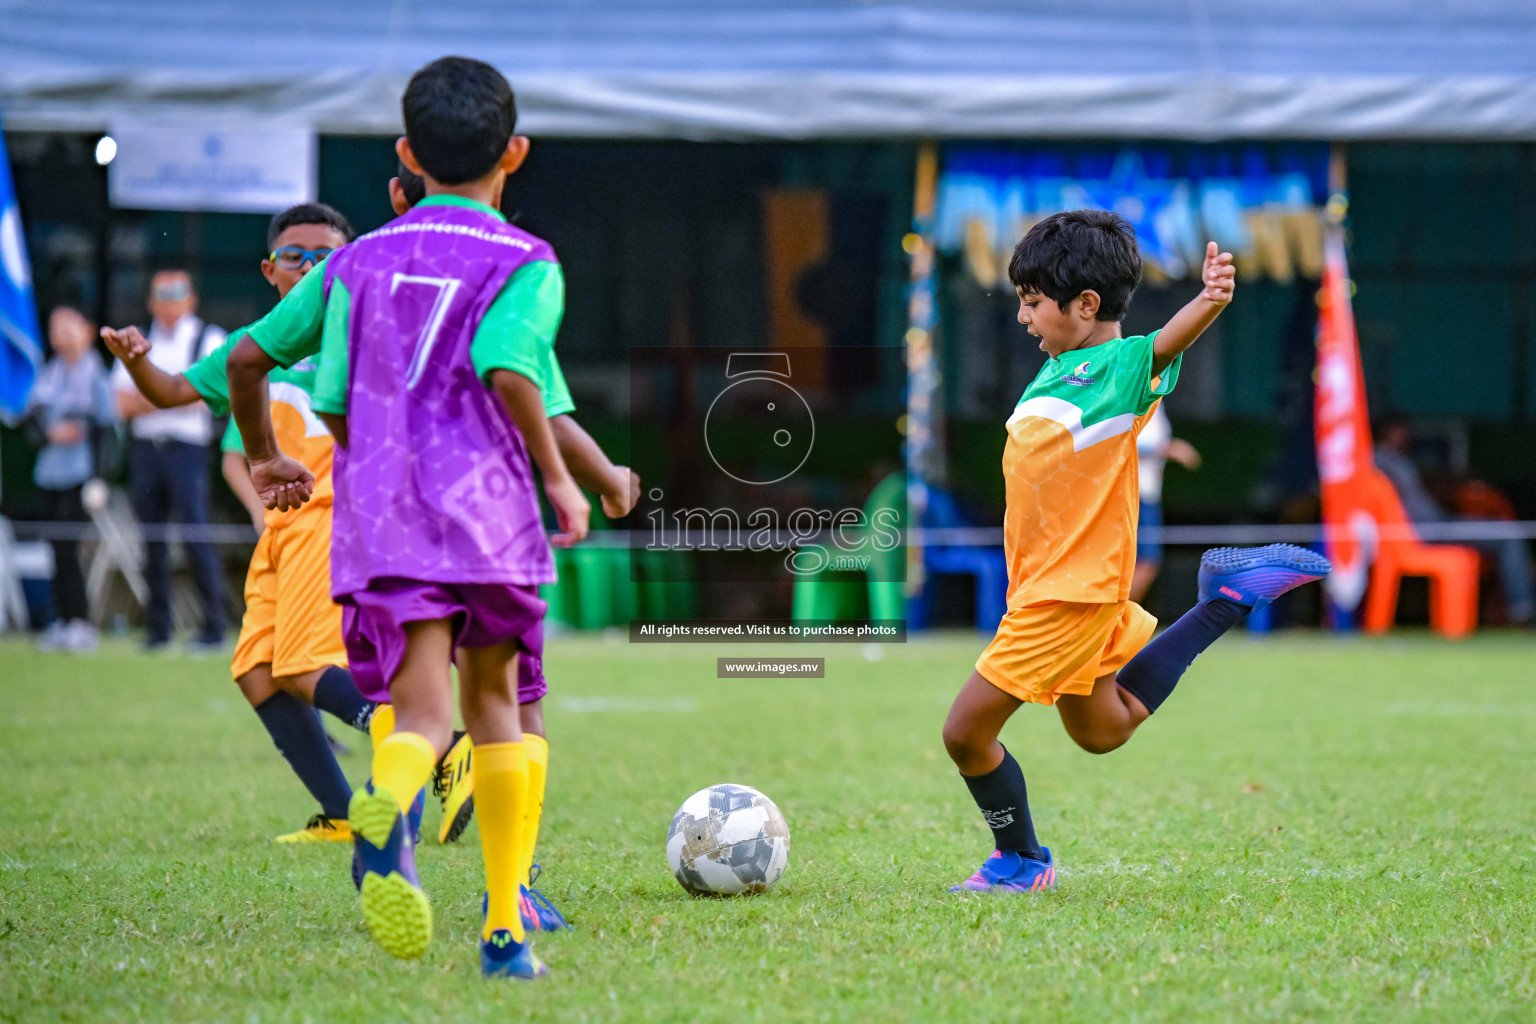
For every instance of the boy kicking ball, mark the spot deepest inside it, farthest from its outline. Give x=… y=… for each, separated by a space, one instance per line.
x=1071 y=636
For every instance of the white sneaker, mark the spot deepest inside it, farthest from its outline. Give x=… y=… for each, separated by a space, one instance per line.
x=81 y=636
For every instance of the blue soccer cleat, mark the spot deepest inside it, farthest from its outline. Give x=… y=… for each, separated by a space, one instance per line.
x=503 y=957
x=539 y=915
x=1008 y=871
x=384 y=862
x=413 y=819
x=1253 y=577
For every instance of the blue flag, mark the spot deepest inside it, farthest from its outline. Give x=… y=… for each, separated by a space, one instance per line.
x=21 y=350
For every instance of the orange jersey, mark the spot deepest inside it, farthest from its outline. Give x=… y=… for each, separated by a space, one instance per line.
x=301 y=434
x=1069 y=469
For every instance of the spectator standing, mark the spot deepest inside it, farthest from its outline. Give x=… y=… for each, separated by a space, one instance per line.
x=168 y=456
x=71 y=413
x=1155 y=445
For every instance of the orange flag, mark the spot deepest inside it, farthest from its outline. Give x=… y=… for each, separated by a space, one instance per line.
x=1344 y=460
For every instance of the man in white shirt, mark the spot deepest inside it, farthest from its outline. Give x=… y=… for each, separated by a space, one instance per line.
x=168 y=457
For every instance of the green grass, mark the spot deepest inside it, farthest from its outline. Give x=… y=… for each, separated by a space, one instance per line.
x=1311 y=829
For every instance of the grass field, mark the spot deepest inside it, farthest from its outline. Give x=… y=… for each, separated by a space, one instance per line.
x=1311 y=829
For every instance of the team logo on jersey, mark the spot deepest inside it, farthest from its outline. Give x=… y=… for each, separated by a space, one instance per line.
x=1079 y=375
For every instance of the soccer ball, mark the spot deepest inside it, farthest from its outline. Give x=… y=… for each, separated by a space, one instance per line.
x=727 y=840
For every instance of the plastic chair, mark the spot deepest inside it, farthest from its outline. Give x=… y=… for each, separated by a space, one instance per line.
x=1452 y=571
x=593 y=589
x=988 y=566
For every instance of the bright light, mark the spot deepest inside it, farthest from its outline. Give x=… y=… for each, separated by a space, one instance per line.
x=106 y=150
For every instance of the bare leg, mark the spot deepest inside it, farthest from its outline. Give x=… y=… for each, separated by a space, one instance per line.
x=975 y=720
x=488 y=695
x=422 y=691
x=532 y=716
x=257 y=684
x=1104 y=719
x=301 y=686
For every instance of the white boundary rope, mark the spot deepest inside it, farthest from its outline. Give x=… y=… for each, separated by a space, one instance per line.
x=1470 y=532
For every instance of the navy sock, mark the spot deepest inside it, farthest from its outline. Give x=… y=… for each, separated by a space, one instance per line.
x=1004 y=804
x=1153 y=673
x=296 y=730
x=338 y=694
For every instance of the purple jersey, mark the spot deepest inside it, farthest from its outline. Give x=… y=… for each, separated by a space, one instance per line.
x=434 y=484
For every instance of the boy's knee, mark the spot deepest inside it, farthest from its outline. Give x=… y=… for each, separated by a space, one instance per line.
x=1098 y=742
x=955 y=740
x=965 y=748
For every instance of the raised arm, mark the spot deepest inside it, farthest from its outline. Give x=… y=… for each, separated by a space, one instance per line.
x=618 y=486
x=1219 y=278
x=163 y=390
x=525 y=404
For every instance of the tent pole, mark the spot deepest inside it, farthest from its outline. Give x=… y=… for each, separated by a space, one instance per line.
x=922 y=372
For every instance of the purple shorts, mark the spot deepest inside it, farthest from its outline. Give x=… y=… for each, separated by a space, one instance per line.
x=483 y=615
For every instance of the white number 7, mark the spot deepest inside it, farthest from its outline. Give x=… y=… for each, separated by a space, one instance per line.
x=445 y=286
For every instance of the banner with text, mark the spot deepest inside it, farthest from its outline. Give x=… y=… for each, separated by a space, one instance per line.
x=241 y=170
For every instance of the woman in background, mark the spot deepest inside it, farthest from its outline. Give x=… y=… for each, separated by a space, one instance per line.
x=71 y=413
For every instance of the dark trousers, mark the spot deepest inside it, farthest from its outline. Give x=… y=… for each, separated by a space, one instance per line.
x=169 y=484
x=69 y=600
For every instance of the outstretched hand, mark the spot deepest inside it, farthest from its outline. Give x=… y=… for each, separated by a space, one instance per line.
x=128 y=343
x=282 y=482
x=1218 y=275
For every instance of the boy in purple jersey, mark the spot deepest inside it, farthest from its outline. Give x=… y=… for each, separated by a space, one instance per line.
x=430 y=382
x=619 y=488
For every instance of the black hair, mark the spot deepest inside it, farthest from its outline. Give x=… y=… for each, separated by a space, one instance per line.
x=459 y=116
x=1069 y=253
x=73 y=307
x=309 y=213
x=412 y=185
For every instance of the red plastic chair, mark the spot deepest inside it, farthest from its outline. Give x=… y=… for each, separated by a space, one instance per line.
x=1452 y=571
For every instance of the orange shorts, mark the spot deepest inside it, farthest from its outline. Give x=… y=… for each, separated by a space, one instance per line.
x=1042 y=651
x=290 y=620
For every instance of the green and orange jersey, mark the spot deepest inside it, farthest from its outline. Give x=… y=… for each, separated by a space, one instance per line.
x=299 y=431
x=1069 y=468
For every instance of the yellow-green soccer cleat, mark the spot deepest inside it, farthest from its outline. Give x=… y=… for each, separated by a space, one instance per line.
x=320 y=830
x=394 y=907
x=454 y=785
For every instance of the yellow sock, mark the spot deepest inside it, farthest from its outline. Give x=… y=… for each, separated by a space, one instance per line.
x=538 y=769
x=402 y=764
x=501 y=790
x=381 y=724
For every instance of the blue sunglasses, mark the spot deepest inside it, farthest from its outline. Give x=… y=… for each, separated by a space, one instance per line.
x=292 y=257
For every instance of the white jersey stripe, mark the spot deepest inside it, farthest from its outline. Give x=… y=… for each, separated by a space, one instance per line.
x=1059 y=410
x=292 y=394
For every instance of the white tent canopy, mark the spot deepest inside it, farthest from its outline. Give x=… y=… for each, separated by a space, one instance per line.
x=1324 y=69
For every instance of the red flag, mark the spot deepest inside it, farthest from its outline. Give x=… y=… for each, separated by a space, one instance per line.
x=1344 y=460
